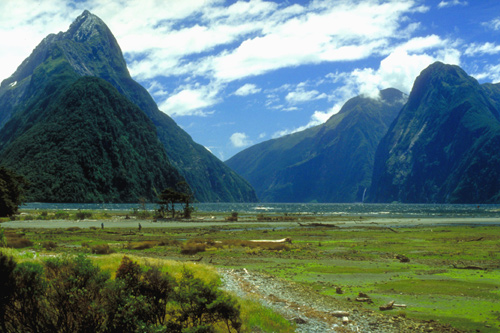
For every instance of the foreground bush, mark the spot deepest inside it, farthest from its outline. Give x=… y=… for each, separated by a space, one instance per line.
x=71 y=294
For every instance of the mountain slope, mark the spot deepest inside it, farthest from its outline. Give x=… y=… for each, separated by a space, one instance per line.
x=91 y=145
x=88 y=48
x=328 y=163
x=443 y=147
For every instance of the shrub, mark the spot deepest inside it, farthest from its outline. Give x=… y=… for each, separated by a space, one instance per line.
x=193 y=248
x=203 y=304
x=76 y=294
x=16 y=241
x=141 y=245
x=169 y=242
x=7 y=287
x=50 y=245
x=233 y=217
x=60 y=215
x=83 y=215
x=101 y=249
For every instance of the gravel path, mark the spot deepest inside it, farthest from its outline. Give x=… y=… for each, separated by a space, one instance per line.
x=313 y=312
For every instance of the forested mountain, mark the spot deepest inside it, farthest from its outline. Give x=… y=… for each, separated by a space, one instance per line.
x=88 y=48
x=443 y=146
x=327 y=163
x=90 y=144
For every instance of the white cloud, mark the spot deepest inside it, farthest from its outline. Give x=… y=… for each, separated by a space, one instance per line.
x=240 y=140
x=444 y=4
x=480 y=49
x=493 y=24
x=360 y=30
x=400 y=68
x=247 y=89
x=190 y=101
x=300 y=96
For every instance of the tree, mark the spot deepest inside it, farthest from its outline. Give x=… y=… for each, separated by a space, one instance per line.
x=169 y=197
x=12 y=188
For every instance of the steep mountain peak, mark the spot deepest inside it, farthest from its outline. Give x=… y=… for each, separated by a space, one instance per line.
x=438 y=77
x=86 y=26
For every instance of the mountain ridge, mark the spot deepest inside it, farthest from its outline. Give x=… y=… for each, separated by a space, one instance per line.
x=88 y=48
x=327 y=163
x=431 y=152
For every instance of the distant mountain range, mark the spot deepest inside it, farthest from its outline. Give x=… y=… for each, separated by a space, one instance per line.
x=75 y=123
x=440 y=146
x=332 y=162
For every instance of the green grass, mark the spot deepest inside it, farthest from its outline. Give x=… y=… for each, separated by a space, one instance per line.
x=361 y=259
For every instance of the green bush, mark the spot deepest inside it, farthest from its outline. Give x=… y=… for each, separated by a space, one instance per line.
x=73 y=295
x=101 y=249
x=83 y=215
x=61 y=215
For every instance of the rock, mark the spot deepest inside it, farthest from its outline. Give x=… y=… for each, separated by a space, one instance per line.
x=299 y=320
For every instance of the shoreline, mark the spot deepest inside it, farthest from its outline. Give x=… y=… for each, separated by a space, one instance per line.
x=349 y=222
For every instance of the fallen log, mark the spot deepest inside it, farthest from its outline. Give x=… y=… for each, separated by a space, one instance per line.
x=284 y=240
x=317 y=224
x=469 y=267
x=340 y=314
x=388 y=306
x=364 y=299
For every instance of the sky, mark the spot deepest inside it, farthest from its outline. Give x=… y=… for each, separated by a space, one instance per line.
x=236 y=73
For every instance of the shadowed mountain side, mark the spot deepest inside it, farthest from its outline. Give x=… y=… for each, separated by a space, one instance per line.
x=91 y=145
x=89 y=48
x=443 y=147
x=327 y=163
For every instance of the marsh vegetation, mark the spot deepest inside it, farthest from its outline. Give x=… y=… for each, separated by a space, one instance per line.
x=447 y=276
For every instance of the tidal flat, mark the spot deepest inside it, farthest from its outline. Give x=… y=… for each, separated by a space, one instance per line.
x=445 y=271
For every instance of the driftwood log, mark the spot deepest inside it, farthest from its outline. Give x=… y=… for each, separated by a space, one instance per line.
x=284 y=240
x=391 y=305
x=317 y=224
x=340 y=314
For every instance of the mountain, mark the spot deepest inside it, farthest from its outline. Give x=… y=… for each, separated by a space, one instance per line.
x=443 y=146
x=327 y=163
x=91 y=145
x=89 y=48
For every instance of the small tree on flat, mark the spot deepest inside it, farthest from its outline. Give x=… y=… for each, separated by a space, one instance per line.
x=169 y=197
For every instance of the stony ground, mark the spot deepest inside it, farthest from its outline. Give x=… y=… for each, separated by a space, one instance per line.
x=313 y=312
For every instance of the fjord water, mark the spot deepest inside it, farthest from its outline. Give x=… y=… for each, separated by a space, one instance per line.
x=324 y=209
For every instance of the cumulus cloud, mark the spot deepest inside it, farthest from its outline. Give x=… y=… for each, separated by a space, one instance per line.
x=247 y=89
x=360 y=30
x=239 y=140
x=190 y=101
x=400 y=68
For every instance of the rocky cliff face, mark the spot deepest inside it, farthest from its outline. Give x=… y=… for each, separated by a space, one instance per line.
x=443 y=146
x=88 y=48
x=328 y=163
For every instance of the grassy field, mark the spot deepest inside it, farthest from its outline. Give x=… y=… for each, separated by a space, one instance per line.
x=449 y=274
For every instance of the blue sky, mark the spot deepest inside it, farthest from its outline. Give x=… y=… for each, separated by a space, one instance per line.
x=236 y=73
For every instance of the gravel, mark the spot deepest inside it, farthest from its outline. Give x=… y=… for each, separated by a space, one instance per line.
x=313 y=312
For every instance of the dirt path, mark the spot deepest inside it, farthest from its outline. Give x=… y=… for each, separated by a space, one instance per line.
x=313 y=312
